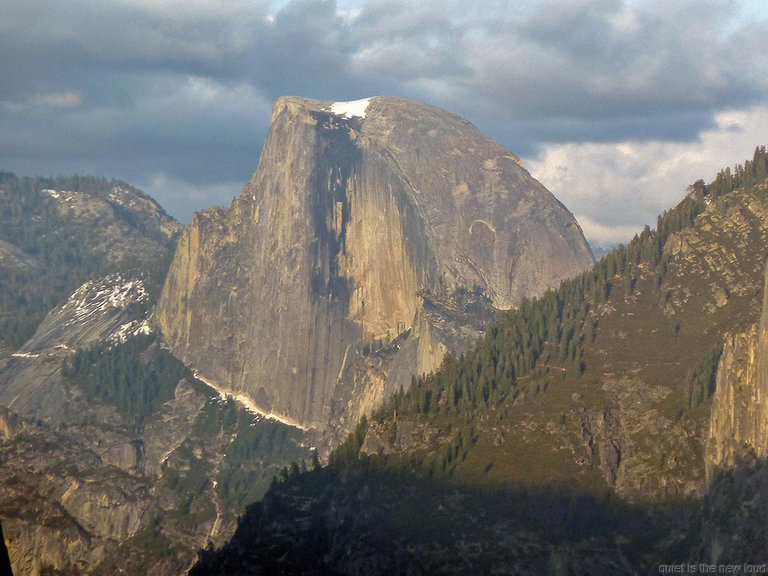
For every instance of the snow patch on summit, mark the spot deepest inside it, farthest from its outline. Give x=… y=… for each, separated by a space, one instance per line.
x=355 y=108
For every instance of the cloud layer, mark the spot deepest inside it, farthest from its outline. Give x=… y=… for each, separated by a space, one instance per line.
x=608 y=101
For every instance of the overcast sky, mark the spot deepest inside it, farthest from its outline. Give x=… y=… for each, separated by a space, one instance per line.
x=615 y=105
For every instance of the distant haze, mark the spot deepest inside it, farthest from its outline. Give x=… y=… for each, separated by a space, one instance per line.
x=615 y=105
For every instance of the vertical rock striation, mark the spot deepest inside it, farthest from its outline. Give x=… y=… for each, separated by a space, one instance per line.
x=733 y=528
x=355 y=210
x=739 y=418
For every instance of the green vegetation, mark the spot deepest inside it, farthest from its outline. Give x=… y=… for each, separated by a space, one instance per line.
x=746 y=177
x=349 y=450
x=259 y=450
x=134 y=376
x=701 y=379
x=60 y=259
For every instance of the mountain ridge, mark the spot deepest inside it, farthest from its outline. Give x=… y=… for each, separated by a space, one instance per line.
x=571 y=439
x=347 y=220
x=59 y=232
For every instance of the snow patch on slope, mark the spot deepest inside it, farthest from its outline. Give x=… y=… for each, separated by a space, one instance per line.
x=103 y=295
x=248 y=404
x=111 y=308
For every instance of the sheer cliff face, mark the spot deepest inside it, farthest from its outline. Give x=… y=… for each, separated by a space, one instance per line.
x=739 y=420
x=355 y=209
x=733 y=527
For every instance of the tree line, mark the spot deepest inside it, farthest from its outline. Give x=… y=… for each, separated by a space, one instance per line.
x=549 y=334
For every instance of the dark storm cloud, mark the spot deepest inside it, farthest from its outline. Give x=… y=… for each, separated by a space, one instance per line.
x=137 y=87
x=160 y=92
x=410 y=42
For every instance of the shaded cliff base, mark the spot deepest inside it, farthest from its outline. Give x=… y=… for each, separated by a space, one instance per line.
x=5 y=561
x=735 y=517
x=377 y=517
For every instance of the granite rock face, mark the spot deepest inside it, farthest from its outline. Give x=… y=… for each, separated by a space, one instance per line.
x=739 y=420
x=355 y=210
x=737 y=450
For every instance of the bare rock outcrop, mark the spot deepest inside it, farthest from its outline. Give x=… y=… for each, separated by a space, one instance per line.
x=737 y=450
x=739 y=419
x=355 y=210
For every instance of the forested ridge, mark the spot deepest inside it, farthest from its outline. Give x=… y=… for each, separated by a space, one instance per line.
x=58 y=253
x=550 y=333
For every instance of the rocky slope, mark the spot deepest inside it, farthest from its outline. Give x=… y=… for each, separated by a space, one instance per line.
x=90 y=486
x=123 y=462
x=355 y=210
x=103 y=496
x=126 y=223
x=110 y=308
